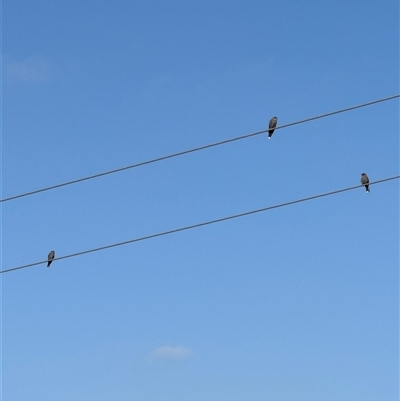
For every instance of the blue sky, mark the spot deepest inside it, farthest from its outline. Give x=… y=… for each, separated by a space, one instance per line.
x=295 y=303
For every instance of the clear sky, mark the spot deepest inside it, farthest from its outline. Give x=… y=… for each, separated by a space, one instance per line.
x=298 y=303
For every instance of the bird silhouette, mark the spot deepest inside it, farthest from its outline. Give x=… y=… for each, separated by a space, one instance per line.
x=365 y=182
x=50 y=258
x=272 y=125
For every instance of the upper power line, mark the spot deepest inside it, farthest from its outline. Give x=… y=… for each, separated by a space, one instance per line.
x=205 y=223
x=158 y=159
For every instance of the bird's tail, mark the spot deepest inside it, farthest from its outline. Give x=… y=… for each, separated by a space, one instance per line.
x=367 y=189
x=48 y=263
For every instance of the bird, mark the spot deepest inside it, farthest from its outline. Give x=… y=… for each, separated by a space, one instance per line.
x=272 y=125
x=50 y=258
x=365 y=182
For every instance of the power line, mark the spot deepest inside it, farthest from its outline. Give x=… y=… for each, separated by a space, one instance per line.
x=235 y=216
x=90 y=177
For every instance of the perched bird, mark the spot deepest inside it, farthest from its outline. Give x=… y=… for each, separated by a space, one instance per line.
x=365 y=181
x=50 y=258
x=272 y=125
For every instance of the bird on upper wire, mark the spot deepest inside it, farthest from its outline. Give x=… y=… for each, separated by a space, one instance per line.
x=365 y=182
x=272 y=125
x=50 y=258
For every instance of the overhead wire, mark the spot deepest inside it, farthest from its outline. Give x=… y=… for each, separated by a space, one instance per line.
x=197 y=149
x=190 y=227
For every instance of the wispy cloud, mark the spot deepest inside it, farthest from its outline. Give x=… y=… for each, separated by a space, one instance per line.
x=32 y=69
x=171 y=353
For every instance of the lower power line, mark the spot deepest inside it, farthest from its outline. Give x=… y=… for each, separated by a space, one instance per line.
x=206 y=223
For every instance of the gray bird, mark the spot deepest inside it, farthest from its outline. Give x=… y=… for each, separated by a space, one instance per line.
x=50 y=258
x=365 y=181
x=272 y=125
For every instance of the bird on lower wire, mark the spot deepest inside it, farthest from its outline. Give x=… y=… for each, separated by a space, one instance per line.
x=272 y=125
x=50 y=258
x=365 y=181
